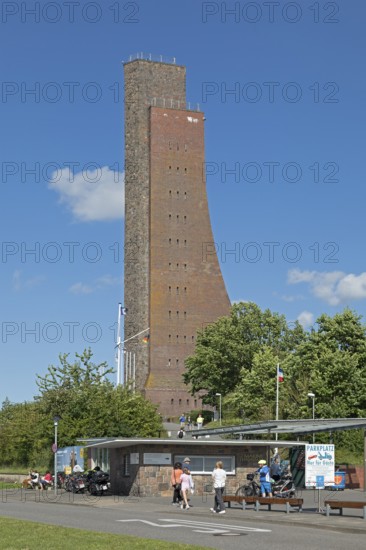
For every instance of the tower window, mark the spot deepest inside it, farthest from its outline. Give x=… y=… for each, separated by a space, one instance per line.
x=185 y=195
x=185 y=267
x=185 y=315
x=185 y=219
x=177 y=290
x=170 y=314
x=178 y=314
x=170 y=337
x=170 y=241
x=170 y=289
x=170 y=193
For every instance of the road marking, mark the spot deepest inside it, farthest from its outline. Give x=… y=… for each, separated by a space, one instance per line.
x=220 y=525
x=199 y=526
x=147 y=522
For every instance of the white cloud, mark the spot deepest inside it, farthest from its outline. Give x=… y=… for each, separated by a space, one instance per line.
x=94 y=195
x=333 y=287
x=20 y=284
x=352 y=287
x=81 y=288
x=98 y=284
x=306 y=319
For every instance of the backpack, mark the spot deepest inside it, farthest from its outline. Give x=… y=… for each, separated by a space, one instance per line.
x=180 y=434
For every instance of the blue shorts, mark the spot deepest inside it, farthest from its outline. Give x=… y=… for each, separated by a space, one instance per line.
x=266 y=487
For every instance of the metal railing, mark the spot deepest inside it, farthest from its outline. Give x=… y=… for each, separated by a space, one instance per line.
x=169 y=103
x=151 y=57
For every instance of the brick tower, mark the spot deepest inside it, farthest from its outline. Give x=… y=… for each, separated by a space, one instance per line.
x=172 y=280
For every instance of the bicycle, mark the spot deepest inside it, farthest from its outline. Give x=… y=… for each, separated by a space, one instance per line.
x=251 y=489
x=284 y=487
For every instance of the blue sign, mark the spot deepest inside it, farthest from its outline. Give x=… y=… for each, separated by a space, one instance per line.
x=319 y=480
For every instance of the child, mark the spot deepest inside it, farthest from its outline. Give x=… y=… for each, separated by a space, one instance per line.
x=186 y=484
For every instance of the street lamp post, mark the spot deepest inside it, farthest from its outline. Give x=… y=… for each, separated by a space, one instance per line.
x=312 y=395
x=56 y=419
x=219 y=395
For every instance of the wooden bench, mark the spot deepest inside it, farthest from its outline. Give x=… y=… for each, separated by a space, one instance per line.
x=340 y=504
x=289 y=502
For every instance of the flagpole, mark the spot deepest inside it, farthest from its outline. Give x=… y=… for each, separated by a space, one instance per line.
x=119 y=345
x=277 y=394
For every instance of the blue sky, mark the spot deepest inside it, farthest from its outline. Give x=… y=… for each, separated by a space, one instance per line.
x=282 y=86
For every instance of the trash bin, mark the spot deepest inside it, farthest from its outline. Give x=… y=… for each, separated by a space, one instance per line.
x=339 y=481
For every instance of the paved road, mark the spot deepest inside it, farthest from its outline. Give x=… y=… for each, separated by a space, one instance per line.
x=157 y=518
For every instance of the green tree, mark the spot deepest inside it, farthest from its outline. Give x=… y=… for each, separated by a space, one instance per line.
x=331 y=364
x=89 y=404
x=225 y=350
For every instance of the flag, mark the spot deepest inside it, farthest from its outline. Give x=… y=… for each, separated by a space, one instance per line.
x=124 y=310
x=146 y=339
x=280 y=374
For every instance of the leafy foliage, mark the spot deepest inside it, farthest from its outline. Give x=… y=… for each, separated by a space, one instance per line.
x=88 y=404
x=238 y=355
x=225 y=350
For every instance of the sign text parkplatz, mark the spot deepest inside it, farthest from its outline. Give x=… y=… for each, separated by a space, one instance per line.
x=319 y=461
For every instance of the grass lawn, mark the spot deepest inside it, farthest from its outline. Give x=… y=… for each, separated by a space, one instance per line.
x=27 y=535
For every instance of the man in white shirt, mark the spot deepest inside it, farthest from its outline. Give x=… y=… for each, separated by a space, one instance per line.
x=219 y=480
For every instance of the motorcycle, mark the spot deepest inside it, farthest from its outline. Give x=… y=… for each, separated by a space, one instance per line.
x=75 y=484
x=98 y=483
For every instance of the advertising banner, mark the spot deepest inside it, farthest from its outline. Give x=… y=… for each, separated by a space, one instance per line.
x=319 y=466
x=69 y=457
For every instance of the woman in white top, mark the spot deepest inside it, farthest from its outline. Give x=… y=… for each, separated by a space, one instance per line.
x=219 y=479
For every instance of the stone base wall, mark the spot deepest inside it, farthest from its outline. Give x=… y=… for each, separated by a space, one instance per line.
x=154 y=480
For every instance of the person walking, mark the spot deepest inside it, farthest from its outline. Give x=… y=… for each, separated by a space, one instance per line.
x=264 y=478
x=182 y=420
x=187 y=463
x=187 y=484
x=176 y=483
x=199 y=422
x=219 y=480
